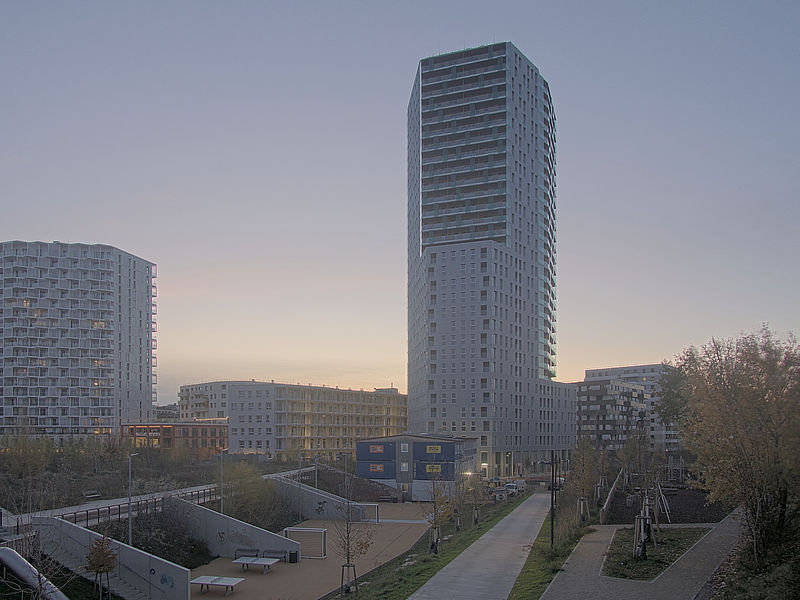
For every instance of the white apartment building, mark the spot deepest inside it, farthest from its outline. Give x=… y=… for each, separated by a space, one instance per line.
x=78 y=339
x=482 y=259
x=662 y=438
x=283 y=420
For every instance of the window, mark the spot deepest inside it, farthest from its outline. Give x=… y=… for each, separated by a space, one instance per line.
x=404 y=466
x=403 y=447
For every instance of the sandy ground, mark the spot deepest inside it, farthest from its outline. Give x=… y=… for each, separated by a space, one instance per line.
x=312 y=578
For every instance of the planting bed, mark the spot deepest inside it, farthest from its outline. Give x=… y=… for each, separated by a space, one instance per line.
x=686 y=506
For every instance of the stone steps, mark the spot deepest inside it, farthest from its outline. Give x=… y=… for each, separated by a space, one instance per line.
x=118 y=586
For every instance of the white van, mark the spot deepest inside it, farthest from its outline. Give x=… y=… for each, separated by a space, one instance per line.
x=520 y=485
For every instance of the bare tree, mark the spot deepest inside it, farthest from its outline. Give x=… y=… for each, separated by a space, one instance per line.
x=441 y=509
x=352 y=538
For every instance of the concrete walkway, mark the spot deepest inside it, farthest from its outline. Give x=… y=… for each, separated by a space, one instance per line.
x=580 y=576
x=489 y=567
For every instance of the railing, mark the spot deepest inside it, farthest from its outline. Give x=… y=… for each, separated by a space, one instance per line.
x=140 y=506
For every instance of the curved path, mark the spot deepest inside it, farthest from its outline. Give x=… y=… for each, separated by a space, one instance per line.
x=580 y=576
x=489 y=567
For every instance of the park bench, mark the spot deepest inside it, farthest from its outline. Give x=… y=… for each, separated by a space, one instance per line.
x=279 y=554
x=245 y=552
x=91 y=494
x=206 y=581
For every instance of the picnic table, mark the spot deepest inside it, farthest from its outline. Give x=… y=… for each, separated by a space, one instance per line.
x=263 y=561
x=208 y=580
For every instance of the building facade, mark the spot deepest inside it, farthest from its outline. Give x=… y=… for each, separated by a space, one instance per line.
x=611 y=411
x=663 y=438
x=78 y=339
x=198 y=440
x=482 y=258
x=283 y=420
x=413 y=463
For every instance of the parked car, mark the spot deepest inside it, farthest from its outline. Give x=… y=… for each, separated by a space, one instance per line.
x=512 y=489
x=521 y=485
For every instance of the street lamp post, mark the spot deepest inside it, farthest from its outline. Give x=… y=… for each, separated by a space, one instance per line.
x=552 y=463
x=222 y=451
x=130 y=519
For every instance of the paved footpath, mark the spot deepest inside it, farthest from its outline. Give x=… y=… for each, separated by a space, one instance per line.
x=489 y=567
x=580 y=576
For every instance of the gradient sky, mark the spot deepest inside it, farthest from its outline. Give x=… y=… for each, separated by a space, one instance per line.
x=256 y=152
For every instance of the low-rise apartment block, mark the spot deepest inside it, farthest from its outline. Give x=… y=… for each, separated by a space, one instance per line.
x=198 y=440
x=283 y=420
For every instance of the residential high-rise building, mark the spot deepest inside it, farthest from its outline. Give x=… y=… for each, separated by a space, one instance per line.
x=283 y=420
x=663 y=438
x=611 y=412
x=482 y=258
x=78 y=339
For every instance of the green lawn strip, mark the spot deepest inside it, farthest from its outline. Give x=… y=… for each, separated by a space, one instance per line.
x=543 y=563
x=672 y=544
x=393 y=582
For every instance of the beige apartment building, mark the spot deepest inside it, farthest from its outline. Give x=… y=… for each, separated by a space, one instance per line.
x=283 y=420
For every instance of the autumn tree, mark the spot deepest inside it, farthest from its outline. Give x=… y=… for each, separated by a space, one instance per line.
x=101 y=560
x=738 y=402
x=252 y=499
x=583 y=467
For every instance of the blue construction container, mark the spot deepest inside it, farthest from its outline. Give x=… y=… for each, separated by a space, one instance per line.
x=444 y=471
x=375 y=450
x=435 y=451
x=376 y=469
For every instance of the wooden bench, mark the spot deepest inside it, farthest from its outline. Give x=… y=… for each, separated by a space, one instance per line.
x=263 y=562
x=208 y=580
x=91 y=494
x=245 y=552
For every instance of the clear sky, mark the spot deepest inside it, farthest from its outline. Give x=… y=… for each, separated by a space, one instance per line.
x=256 y=152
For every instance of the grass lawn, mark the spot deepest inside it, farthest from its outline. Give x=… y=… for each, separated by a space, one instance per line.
x=542 y=564
x=395 y=582
x=672 y=543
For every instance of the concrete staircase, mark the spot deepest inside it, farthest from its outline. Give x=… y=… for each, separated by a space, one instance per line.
x=78 y=566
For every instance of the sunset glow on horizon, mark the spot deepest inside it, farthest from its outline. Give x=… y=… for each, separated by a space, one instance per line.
x=256 y=152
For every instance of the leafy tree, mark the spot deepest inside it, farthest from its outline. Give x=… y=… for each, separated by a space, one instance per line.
x=672 y=405
x=101 y=560
x=740 y=413
x=249 y=498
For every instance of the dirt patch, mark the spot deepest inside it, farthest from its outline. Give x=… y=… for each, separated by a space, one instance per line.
x=686 y=506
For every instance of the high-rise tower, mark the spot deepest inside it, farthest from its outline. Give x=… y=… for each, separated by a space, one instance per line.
x=481 y=258
x=77 y=343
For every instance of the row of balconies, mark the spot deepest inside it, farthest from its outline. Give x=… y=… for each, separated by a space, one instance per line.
x=466 y=124
x=461 y=71
x=493 y=175
x=472 y=150
x=448 y=139
x=495 y=103
x=462 y=97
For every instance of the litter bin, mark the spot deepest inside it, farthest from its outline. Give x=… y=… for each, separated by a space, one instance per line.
x=293 y=557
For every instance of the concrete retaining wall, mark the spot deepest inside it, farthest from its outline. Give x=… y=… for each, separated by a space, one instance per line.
x=316 y=503
x=224 y=534
x=156 y=578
